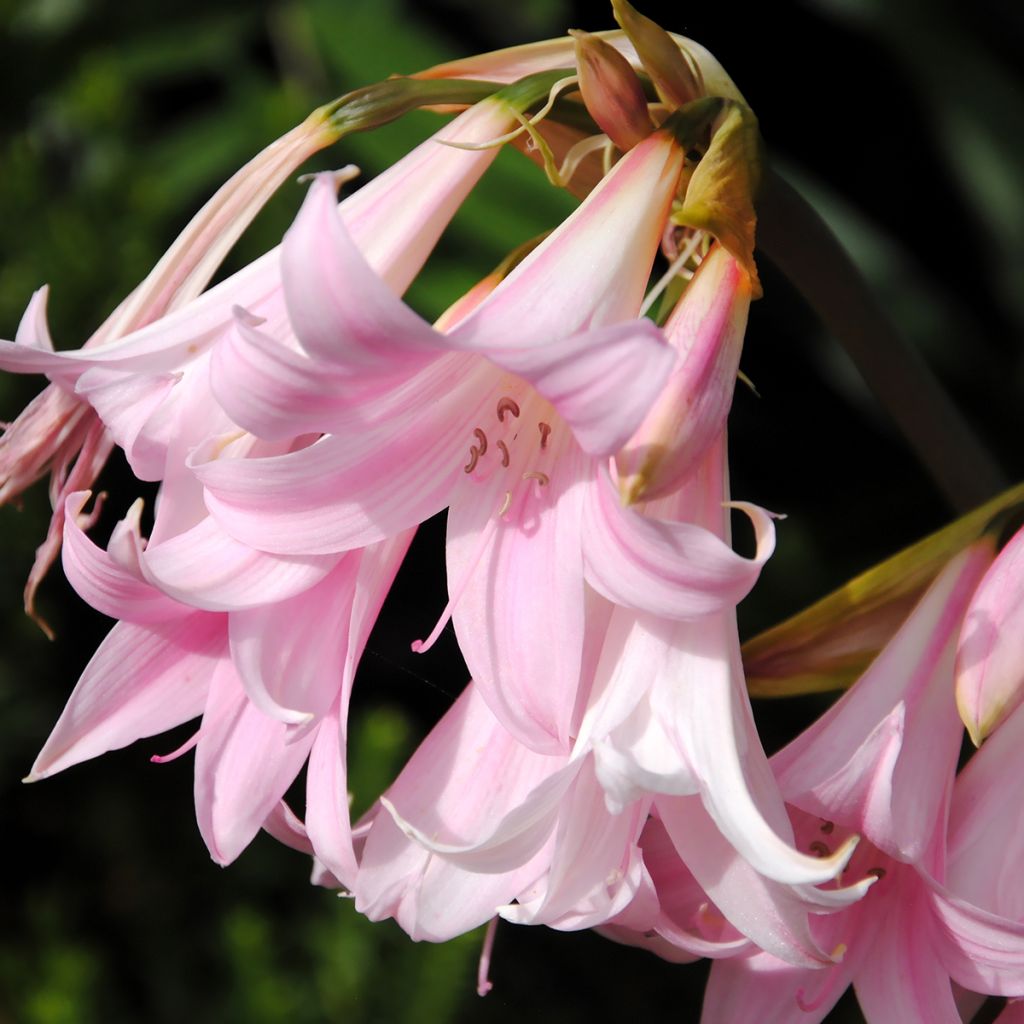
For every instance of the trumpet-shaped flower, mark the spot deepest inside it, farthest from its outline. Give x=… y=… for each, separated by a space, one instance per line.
x=509 y=442
x=270 y=676
x=882 y=762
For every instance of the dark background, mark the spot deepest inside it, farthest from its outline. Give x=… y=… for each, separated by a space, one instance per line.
x=901 y=120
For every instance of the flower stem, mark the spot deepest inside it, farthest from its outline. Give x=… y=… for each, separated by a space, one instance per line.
x=798 y=242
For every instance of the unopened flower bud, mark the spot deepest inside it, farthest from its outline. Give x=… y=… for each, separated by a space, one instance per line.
x=611 y=91
x=675 y=78
x=990 y=653
x=706 y=330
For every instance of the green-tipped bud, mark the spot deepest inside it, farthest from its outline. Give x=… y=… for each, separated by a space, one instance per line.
x=611 y=91
x=828 y=645
x=676 y=79
x=720 y=195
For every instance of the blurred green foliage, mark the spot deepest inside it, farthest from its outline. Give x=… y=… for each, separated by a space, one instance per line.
x=120 y=120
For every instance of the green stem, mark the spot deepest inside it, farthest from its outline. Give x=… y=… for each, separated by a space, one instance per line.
x=795 y=238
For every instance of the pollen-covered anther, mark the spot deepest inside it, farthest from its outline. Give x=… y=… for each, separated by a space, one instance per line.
x=505 y=457
x=879 y=873
x=474 y=456
x=505 y=405
x=819 y=848
x=827 y=827
x=545 y=433
x=482 y=438
x=535 y=474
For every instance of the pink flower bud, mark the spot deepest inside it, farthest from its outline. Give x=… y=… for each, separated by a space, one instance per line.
x=611 y=91
x=707 y=331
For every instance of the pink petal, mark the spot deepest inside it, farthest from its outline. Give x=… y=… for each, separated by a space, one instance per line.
x=902 y=792
x=126 y=402
x=902 y=979
x=476 y=796
x=340 y=309
x=602 y=381
x=290 y=654
x=206 y=568
x=989 y=672
x=676 y=569
x=595 y=866
x=703 y=693
x=244 y=763
x=980 y=950
x=773 y=916
x=986 y=844
x=272 y=390
x=327 y=798
x=349 y=491
x=142 y=680
x=105 y=583
x=761 y=989
x=519 y=614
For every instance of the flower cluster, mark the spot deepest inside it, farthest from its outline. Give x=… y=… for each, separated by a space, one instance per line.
x=602 y=768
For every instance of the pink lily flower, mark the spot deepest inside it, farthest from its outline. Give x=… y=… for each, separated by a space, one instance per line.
x=58 y=432
x=669 y=716
x=272 y=682
x=990 y=655
x=570 y=823
x=152 y=389
x=882 y=762
x=511 y=443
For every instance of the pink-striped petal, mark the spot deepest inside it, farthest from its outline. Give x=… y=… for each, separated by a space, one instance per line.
x=676 y=569
x=105 y=583
x=348 y=491
x=206 y=568
x=245 y=761
x=519 y=611
x=980 y=950
x=141 y=681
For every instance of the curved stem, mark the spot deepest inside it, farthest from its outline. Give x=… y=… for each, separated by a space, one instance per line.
x=794 y=237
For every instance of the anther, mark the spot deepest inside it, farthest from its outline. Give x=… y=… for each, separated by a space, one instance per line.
x=503 y=448
x=879 y=873
x=827 y=827
x=482 y=438
x=545 y=431
x=474 y=455
x=820 y=848
x=505 y=405
x=506 y=504
x=541 y=478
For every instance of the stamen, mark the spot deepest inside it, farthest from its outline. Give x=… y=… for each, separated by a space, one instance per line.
x=542 y=478
x=879 y=873
x=506 y=504
x=545 y=433
x=483 y=982
x=483 y=543
x=827 y=827
x=505 y=405
x=474 y=455
x=482 y=438
x=833 y=980
x=676 y=267
x=175 y=754
x=505 y=458
x=820 y=848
